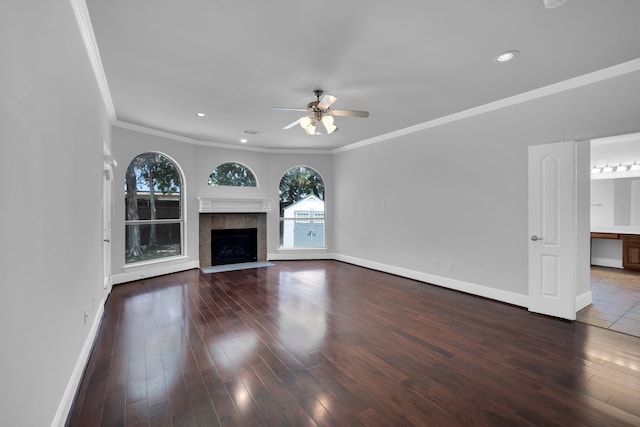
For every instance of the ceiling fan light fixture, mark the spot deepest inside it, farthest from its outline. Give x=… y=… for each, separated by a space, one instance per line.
x=327 y=121
x=304 y=122
x=330 y=129
x=311 y=128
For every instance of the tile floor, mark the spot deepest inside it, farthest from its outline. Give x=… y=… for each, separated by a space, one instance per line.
x=615 y=300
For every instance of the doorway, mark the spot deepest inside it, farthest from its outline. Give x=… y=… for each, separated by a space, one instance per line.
x=615 y=292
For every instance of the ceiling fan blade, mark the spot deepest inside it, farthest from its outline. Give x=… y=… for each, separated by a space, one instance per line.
x=290 y=125
x=326 y=101
x=348 y=113
x=304 y=110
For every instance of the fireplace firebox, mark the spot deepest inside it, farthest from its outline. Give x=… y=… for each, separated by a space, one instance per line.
x=232 y=246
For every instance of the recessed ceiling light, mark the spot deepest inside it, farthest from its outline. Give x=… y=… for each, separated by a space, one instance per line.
x=244 y=140
x=199 y=114
x=506 y=56
x=552 y=4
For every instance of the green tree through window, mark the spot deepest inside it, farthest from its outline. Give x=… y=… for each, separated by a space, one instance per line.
x=232 y=174
x=153 y=203
x=298 y=183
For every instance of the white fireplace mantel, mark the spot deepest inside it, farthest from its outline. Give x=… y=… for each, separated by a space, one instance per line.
x=217 y=205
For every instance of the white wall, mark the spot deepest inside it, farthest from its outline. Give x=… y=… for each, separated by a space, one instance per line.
x=457 y=193
x=197 y=162
x=52 y=127
x=602 y=202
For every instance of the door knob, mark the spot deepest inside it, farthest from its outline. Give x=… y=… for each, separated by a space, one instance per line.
x=535 y=238
x=106 y=240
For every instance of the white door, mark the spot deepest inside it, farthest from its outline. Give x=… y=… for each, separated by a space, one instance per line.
x=552 y=229
x=106 y=226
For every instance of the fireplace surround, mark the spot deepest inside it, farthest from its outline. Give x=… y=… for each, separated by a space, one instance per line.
x=231 y=221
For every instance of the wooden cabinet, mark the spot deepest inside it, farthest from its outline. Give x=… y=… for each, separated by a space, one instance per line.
x=630 y=251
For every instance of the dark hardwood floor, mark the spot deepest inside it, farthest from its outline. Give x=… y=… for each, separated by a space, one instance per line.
x=323 y=343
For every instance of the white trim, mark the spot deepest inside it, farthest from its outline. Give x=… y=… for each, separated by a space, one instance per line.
x=181 y=138
x=445 y=282
x=583 y=300
x=606 y=262
x=141 y=271
x=629 y=137
x=302 y=254
x=70 y=391
x=88 y=36
x=552 y=89
x=220 y=205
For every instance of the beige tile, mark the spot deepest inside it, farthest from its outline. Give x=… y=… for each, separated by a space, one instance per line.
x=616 y=300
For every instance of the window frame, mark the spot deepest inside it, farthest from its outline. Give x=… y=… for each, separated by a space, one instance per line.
x=253 y=174
x=312 y=218
x=181 y=220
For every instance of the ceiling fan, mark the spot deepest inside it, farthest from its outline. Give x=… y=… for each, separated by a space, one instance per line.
x=320 y=111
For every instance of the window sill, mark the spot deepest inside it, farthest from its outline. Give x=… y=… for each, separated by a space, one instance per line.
x=154 y=262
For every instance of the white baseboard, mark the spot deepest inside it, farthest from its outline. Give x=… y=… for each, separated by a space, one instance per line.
x=583 y=300
x=606 y=262
x=299 y=255
x=64 y=407
x=148 y=271
x=445 y=282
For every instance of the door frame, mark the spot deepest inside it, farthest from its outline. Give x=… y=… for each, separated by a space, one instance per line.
x=107 y=200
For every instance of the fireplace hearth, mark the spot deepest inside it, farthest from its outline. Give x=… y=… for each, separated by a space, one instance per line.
x=233 y=246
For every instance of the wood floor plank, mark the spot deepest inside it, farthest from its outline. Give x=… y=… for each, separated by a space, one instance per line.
x=324 y=343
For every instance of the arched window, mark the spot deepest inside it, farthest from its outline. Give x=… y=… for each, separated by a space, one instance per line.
x=302 y=221
x=153 y=203
x=232 y=174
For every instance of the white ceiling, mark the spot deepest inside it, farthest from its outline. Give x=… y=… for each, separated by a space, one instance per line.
x=406 y=62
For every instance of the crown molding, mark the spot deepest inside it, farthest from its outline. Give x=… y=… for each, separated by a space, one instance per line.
x=630 y=137
x=168 y=135
x=552 y=89
x=86 y=30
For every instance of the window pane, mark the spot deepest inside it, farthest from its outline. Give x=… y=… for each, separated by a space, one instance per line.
x=152 y=188
x=302 y=209
x=155 y=241
x=302 y=234
x=232 y=174
x=153 y=191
